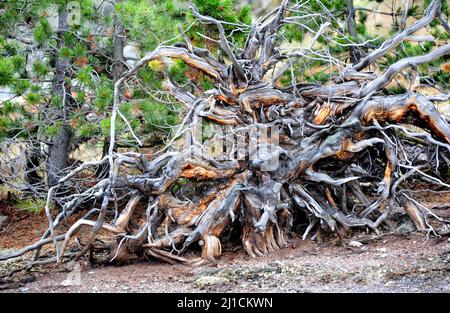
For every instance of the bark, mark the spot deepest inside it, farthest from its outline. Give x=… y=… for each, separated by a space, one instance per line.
x=118 y=43
x=58 y=151
x=355 y=54
x=32 y=176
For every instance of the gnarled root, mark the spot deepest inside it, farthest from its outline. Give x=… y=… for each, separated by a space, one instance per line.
x=338 y=156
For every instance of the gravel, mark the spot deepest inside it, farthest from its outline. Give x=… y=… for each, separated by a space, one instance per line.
x=391 y=264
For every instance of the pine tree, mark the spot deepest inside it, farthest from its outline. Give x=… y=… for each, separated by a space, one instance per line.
x=68 y=87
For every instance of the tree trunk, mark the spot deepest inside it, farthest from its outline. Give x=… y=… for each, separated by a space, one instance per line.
x=355 y=53
x=32 y=176
x=119 y=61
x=58 y=152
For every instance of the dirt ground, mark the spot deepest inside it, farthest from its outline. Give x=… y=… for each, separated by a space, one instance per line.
x=400 y=261
x=391 y=264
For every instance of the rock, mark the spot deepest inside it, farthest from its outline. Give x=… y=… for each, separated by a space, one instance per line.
x=33 y=57
x=5 y=93
x=107 y=9
x=262 y=7
x=276 y=264
x=131 y=54
x=2 y=220
x=406 y=228
x=381 y=249
x=69 y=282
x=203 y=281
x=53 y=17
x=355 y=244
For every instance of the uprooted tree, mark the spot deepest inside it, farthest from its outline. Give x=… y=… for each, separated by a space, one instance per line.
x=344 y=151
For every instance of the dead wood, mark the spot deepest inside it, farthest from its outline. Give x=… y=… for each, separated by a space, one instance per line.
x=342 y=158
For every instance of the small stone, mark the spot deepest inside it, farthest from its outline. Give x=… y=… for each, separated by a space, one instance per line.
x=355 y=244
x=275 y=264
x=107 y=9
x=68 y=282
x=406 y=228
x=2 y=220
x=381 y=249
x=210 y=280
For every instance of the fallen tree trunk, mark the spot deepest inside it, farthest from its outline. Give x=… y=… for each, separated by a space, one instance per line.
x=336 y=154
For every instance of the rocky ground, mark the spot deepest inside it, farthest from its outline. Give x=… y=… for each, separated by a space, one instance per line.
x=392 y=263
x=399 y=261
